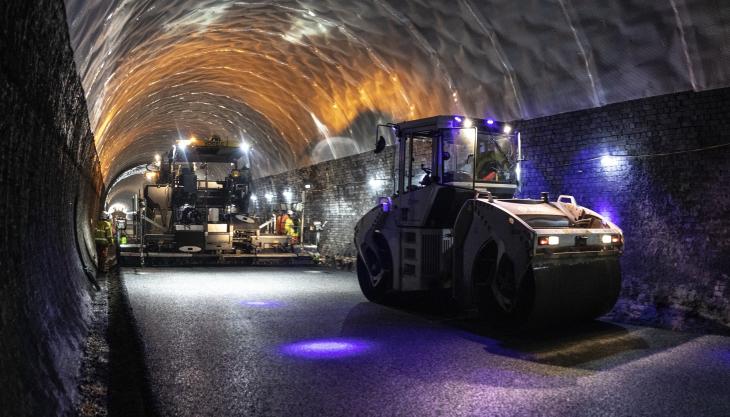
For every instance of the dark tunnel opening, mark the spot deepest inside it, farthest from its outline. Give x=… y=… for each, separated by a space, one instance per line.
x=642 y=139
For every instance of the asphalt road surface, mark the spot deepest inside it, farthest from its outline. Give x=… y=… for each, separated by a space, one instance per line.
x=303 y=341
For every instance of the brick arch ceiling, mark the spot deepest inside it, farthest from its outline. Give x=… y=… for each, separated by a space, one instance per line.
x=304 y=81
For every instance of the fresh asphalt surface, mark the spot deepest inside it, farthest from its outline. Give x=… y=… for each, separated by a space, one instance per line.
x=304 y=341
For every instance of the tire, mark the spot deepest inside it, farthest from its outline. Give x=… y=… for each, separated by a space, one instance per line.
x=378 y=292
x=501 y=302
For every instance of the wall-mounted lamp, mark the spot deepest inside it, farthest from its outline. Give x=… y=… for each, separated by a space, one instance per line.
x=375 y=183
x=287 y=195
x=608 y=161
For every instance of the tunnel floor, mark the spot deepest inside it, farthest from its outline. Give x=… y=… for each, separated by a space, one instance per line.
x=296 y=341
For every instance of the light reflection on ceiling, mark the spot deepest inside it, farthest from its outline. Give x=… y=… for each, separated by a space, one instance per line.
x=306 y=81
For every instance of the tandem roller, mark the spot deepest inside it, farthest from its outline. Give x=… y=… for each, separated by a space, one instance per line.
x=453 y=224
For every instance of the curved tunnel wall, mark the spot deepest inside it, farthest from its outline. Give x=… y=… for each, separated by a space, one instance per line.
x=303 y=81
x=665 y=185
x=121 y=194
x=50 y=184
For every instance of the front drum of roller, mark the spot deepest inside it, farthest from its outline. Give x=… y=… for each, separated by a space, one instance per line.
x=573 y=289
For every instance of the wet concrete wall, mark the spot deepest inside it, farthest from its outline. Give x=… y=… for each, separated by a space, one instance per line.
x=49 y=184
x=669 y=196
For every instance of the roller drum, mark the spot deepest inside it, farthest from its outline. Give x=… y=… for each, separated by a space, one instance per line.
x=573 y=289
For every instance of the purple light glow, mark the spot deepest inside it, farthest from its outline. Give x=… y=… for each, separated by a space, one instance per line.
x=725 y=357
x=604 y=208
x=490 y=122
x=261 y=303
x=385 y=203
x=333 y=348
x=458 y=119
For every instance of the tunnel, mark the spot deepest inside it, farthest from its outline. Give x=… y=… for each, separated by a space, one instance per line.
x=376 y=207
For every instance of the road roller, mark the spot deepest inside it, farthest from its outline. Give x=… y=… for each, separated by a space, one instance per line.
x=453 y=225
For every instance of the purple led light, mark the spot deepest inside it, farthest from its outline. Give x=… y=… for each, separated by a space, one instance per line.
x=332 y=348
x=490 y=122
x=385 y=203
x=458 y=119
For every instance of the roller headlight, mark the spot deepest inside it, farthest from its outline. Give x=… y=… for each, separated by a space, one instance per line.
x=548 y=240
x=610 y=239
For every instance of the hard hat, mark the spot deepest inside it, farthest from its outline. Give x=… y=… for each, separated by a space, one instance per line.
x=289 y=212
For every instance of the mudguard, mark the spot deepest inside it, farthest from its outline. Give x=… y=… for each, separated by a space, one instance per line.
x=376 y=222
x=364 y=230
x=478 y=224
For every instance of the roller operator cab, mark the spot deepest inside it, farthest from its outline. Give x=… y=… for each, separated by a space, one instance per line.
x=453 y=224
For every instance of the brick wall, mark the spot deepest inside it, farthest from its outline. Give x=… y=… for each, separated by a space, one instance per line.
x=49 y=185
x=341 y=191
x=673 y=208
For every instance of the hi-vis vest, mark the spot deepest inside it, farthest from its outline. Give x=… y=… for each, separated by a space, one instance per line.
x=103 y=233
x=290 y=227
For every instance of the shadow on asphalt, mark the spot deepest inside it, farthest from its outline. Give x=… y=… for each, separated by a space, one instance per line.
x=594 y=346
x=129 y=389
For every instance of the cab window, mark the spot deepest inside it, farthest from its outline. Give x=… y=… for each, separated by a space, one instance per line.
x=493 y=159
x=457 y=156
x=418 y=162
